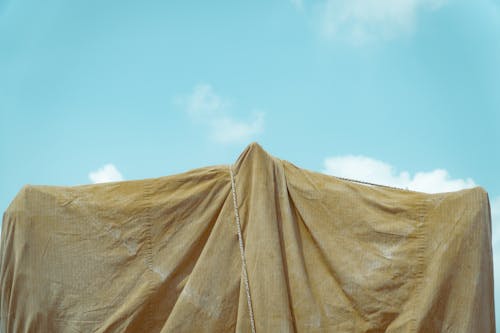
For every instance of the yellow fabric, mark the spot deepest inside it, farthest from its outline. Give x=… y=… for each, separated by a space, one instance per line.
x=323 y=255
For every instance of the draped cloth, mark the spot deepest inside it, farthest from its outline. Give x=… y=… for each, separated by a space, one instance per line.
x=322 y=254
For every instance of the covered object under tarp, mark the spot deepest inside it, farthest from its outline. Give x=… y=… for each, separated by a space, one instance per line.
x=322 y=254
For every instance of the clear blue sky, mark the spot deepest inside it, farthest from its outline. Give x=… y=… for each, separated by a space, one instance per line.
x=156 y=88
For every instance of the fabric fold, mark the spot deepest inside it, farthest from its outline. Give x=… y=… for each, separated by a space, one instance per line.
x=323 y=254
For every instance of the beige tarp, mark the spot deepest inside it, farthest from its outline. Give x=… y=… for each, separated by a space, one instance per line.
x=323 y=255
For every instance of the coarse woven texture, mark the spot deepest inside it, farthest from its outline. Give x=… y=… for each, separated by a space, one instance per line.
x=322 y=254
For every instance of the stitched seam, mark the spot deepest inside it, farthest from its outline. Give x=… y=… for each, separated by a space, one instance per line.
x=149 y=248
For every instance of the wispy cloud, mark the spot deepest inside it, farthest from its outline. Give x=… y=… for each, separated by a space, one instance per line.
x=206 y=107
x=227 y=129
x=366 y=21
x=371 y=170
x=107 y=173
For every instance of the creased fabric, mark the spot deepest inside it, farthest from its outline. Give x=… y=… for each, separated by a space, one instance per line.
x=323 y=255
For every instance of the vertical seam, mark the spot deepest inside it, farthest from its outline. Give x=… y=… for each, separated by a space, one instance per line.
x=421 y=237
x=149 y=248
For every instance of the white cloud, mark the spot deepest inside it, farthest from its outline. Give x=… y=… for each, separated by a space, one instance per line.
x=226 y=129
x=365 y=21
x=374 y=171
x=108 y=173
x=206 y=107
x=203 y=103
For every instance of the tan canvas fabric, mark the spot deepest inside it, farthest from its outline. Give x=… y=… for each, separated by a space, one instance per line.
x=323 y=255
